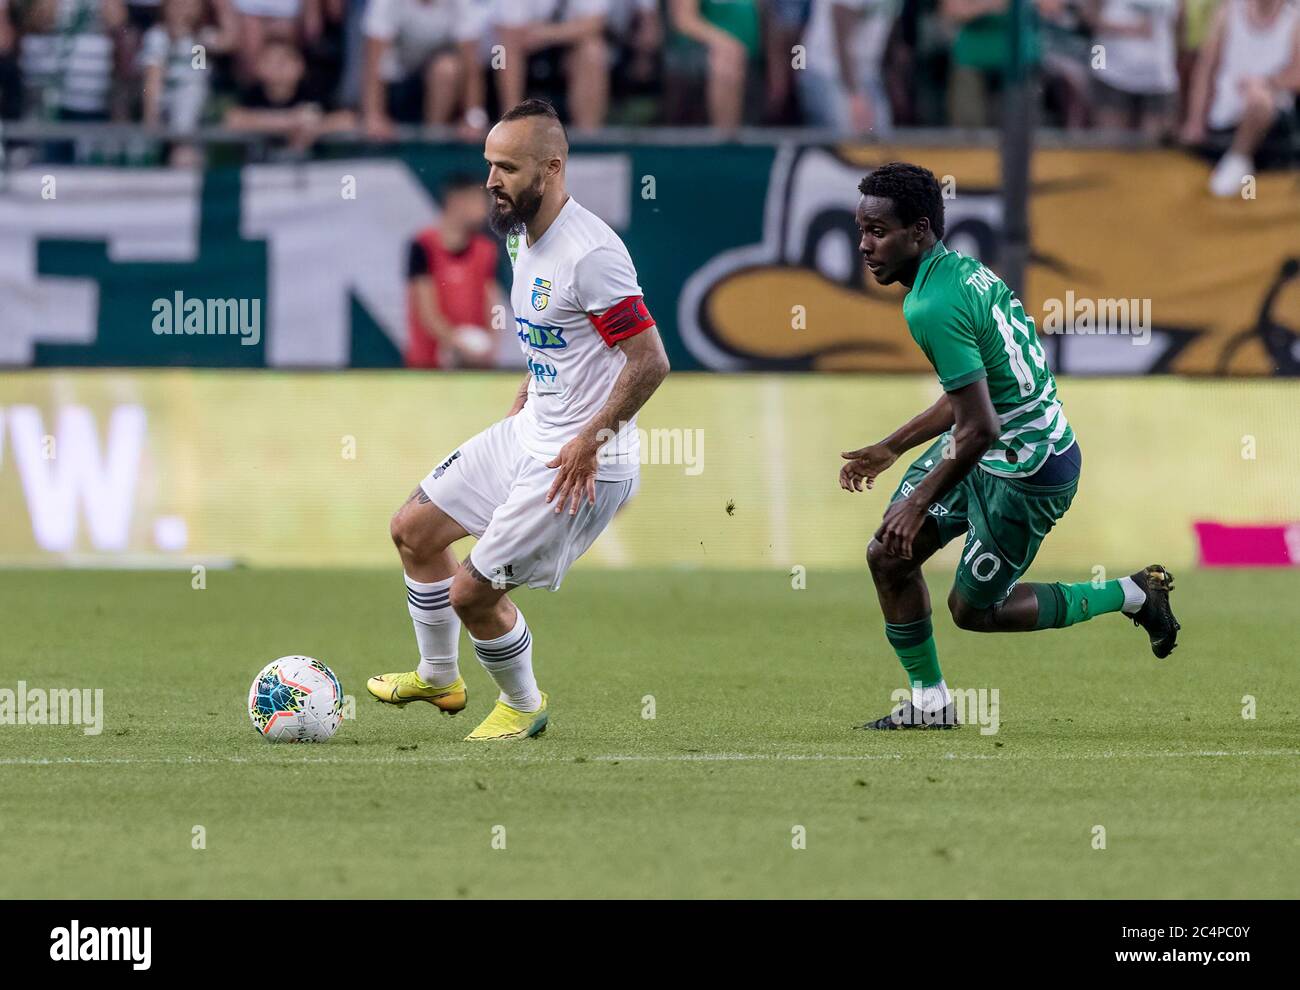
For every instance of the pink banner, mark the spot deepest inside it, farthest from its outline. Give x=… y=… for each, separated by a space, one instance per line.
x=1275 y=545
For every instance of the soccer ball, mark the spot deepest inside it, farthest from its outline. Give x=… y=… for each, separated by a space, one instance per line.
x=474 y=346
x=296 y=699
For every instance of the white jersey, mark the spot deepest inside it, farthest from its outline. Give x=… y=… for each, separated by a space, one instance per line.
x=1135 y=64
x=867 y=41
x=1250 y=50
x=578 y=267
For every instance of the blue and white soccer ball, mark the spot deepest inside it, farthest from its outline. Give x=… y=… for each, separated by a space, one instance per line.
x=296 y=699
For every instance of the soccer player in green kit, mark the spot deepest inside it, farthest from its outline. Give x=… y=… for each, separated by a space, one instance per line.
x=1003 y=470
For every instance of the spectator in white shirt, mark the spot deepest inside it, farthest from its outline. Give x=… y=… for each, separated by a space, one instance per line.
x=67 y=56
x=577 y=29
x=1135 y=66
x=842 y=85
x=176 y=76
x=1244 y=85
x=422 y=64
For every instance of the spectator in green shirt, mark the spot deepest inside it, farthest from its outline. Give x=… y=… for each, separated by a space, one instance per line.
x=725 y=36
x=980 y=53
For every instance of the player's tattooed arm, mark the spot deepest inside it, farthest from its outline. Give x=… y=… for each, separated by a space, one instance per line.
x=646 y=368
x=418 y=496
x=521 y=396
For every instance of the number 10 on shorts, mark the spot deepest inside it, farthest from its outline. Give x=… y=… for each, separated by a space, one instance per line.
x=988 y=561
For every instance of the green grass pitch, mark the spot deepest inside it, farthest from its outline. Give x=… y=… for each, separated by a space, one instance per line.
x=755 y=688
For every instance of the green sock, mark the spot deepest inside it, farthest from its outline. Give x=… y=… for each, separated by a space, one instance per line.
x=914 y=644
x=1061 y=605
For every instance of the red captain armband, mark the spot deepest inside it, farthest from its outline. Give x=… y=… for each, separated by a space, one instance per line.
x=622 y=320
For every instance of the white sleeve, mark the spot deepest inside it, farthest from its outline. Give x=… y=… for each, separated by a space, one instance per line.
x=604 y=277
x=586 y=8
x=513 y=13
x=380 y=20
x=153 y=47
x=472 y=19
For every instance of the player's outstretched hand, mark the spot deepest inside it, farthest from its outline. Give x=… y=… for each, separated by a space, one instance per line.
x=576 y=475
x=864 y=465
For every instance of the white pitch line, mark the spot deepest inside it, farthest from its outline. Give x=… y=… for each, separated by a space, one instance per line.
x=640 y=758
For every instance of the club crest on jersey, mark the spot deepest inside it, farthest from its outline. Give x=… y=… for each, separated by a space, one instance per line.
x=541 y=336
x=541 y=294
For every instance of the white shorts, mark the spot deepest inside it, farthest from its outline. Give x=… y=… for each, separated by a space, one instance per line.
x=497 y=492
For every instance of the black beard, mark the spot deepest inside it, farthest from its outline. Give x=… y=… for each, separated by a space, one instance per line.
x=505 y=218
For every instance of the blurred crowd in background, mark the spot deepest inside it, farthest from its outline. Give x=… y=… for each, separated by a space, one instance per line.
x=302 y=68
x=1221 y=75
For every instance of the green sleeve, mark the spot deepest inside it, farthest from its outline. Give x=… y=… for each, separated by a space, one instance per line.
x=947 y=337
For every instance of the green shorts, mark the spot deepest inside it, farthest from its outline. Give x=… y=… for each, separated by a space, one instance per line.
x=1004 y=520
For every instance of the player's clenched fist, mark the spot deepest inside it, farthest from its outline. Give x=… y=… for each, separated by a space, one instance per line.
x=864 y=465
x=577 y=474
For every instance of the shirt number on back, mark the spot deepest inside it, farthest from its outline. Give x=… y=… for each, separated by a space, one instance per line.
x=1018 y=340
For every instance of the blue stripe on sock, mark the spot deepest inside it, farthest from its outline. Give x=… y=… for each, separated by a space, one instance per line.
x=429 y=606
x=497 y=654
x=505 y=651
x=426 y=595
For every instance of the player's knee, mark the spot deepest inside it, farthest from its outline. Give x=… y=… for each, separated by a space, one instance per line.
x=886 y=568
x=412 y=535
x=878 y=561
x=468 y=594
x=965 y=615
x=398 y=528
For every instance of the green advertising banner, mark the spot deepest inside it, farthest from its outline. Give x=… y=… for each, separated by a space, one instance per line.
x=747 y=255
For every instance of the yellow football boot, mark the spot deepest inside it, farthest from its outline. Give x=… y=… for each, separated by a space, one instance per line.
x=402 y=689
x=510 y=723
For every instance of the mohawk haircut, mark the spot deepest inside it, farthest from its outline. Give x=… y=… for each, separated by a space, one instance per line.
x=532 y=107
x=913 y=190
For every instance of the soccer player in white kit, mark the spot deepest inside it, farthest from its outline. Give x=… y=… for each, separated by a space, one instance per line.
x=539 y=486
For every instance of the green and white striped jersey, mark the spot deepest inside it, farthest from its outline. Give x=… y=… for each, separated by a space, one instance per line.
x=970 y=325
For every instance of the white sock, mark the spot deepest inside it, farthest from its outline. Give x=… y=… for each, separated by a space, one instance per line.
x=1134 y=597
x=1226 y=178
x=437 y=630
x=930 y=699
x=508 y=660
